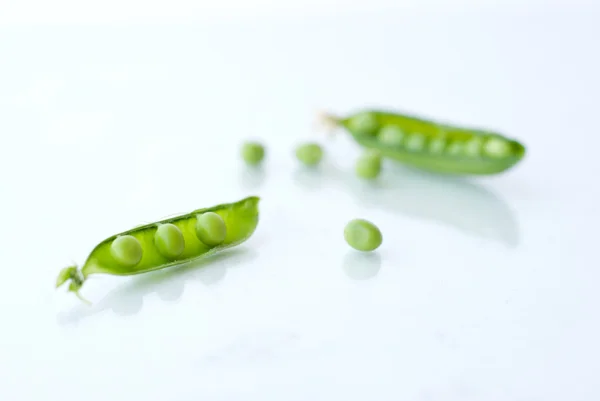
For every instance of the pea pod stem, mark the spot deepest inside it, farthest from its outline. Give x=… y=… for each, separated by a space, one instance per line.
x=75 y=276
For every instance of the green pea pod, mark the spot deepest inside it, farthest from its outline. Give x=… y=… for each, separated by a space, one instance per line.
x=430 y=145
x=168 y=242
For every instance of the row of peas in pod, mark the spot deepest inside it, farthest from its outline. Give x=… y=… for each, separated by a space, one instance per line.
x=169 y=241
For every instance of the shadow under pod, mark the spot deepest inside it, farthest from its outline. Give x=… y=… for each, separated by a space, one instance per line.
x=452 y=201
x=168 y=284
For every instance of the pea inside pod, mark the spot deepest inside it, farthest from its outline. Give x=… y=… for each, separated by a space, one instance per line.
x=363 y=123
x=210 y=228
x=166 y=243
x=431 y=145
x=126 y=250
x=169 y=240
x=391 y=135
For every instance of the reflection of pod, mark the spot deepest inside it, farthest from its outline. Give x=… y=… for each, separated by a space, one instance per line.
x=458 y=203
x=451 y=201
x=168 y=284
x=166 y=243
x=430 y=145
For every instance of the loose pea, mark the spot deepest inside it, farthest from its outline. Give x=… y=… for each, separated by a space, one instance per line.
x=169 y=240
x=309 y=153
x=391 y=135
x=126 y=250
x=210 y=229
x=362 y=235
x=253 y=153
x=368 y=166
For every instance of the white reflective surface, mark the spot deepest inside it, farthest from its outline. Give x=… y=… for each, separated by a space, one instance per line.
x=483 y=289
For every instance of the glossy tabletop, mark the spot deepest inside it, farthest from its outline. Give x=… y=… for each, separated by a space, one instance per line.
x=483 y=289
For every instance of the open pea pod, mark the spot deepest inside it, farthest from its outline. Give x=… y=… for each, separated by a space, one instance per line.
x=430 y=145
x=168 y=242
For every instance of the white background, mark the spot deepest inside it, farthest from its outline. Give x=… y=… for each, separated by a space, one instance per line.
x=113 y=115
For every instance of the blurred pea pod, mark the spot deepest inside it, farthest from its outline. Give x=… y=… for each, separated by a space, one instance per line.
x=430 y=145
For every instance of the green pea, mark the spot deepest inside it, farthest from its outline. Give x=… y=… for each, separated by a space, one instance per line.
x=210 y=229
x=436 y=146
x=368 y=166
x=415 y=142
x=363 y=235
x=169 y=240
x=391 y=135
x=455 y=148
x=309 y=153
x=253 y=153
x=126 y=250
x=497 y=147
x=473 y=147
x=363 y=123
